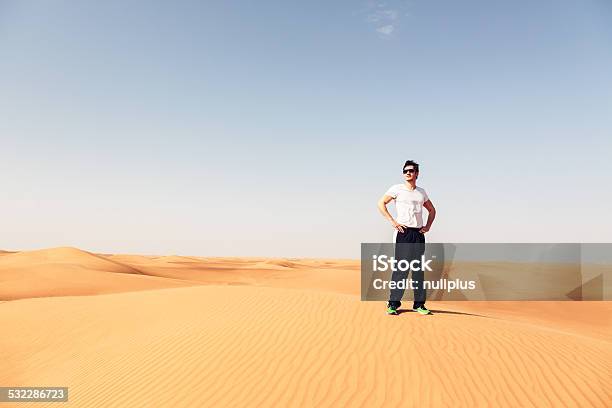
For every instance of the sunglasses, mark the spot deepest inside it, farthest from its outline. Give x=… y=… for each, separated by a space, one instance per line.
x=409 y=171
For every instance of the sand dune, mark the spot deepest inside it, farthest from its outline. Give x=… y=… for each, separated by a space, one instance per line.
x=340 y=276
x=70 y=271
x=262 y=342
x=65 y=256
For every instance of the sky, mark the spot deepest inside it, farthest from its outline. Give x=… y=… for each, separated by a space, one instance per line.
x=272 y=128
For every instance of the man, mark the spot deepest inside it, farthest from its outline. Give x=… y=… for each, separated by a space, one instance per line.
x=409 y=231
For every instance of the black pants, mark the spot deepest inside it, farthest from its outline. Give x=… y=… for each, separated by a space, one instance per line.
x=408 y=252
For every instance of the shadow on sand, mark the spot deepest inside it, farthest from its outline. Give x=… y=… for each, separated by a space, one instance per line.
x=433 y=312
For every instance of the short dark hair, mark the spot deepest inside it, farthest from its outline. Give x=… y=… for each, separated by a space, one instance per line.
x=411 y=163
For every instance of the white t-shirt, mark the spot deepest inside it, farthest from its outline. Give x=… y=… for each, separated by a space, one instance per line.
x=409 y=204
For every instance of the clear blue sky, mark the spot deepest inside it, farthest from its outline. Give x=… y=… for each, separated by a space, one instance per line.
x=272 y=128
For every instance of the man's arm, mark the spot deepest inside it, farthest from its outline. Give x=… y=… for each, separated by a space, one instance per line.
x=382 y=207
x=431 y=215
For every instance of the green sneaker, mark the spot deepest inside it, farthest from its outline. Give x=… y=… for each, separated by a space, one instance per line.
x=391 y=310
x=422 y=310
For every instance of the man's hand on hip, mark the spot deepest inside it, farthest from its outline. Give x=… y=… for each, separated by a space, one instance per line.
x=397 y=226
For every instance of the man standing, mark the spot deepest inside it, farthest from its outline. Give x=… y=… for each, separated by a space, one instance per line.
x=409 y=231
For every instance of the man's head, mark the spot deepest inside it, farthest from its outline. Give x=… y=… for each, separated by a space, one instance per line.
x=410 y=170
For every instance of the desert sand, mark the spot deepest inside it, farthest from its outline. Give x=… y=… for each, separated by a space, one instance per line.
x=184 y=331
